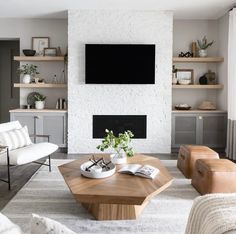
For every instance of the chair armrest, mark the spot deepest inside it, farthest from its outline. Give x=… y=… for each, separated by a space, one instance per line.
x=42 y=136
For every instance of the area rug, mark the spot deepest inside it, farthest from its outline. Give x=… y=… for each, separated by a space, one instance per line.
x=47 y=194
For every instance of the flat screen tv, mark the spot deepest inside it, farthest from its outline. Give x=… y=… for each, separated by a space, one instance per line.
x=119 y=64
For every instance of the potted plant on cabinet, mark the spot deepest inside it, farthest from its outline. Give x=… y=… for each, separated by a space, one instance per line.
x=28 y=71
x=119 y=144
x=203 y=45
x=39 y=101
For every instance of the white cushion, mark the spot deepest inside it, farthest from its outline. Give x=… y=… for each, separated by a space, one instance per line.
x=15 y=138
x=10 y=126
x=42 y=225
x=7 y=227
x=28 y=153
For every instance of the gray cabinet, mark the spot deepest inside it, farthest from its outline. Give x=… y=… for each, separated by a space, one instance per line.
x=199 y=128
x=48 y=123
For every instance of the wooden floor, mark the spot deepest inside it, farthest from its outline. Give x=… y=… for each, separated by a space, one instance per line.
x=21 y=174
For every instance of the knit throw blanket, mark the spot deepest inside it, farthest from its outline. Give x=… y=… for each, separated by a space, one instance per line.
x=213 y=214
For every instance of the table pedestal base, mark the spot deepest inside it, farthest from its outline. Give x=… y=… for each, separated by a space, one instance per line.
x=114 y=211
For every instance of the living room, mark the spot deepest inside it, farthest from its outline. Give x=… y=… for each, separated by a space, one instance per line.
x=90 y=90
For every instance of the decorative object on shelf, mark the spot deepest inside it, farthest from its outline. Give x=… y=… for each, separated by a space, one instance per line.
x=59 y=51
x=186 y=55
x=50 y=52
x=39 y=101
x=119 y=143
x=203 y=45
x=31 y=99
x=28 y=71
x=28 y=52
x=194 y=49
x=174 y=75
x=61 y=104
x=211 y=77
x=54 y=79
x=185 y=76
x=207 y=105
x=97 y=168
x=39 y=43
x=182 y=107
x=203 y=80
x=62 y=77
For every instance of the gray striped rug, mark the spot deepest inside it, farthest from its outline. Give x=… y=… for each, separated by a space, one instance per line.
x=47 y=194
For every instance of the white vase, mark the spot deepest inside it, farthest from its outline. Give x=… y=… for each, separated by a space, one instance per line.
x=202 y=53
x=39 y=105
x=26 y=79
x=118 y=158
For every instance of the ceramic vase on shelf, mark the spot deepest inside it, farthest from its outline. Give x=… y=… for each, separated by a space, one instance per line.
x=118 y=158
x=202 y=53
x=39 y=105
x=26 y=79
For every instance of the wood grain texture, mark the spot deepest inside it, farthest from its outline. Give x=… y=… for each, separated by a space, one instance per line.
x=198 y=60
x=197 y=86
x=20 y=85
x=119 y=189
x=39 y=58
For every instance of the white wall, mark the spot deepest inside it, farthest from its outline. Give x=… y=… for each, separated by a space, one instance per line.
x=147 y=27
x=222 y=68
x=25 y=29
x=185 y=32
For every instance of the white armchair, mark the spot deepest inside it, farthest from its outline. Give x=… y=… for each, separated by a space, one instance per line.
x=26 y=154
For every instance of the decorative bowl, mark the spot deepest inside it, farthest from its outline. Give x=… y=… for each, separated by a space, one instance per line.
x=182 y=107
x=29 y=52
x=184 y=82
x=96 y=174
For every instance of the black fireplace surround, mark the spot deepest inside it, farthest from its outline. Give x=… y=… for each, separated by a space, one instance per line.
x=120 y=123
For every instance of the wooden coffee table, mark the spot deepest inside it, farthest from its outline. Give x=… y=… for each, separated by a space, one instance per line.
x=120 y=196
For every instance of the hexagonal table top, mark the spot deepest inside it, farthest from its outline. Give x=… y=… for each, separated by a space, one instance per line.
x=120 y=196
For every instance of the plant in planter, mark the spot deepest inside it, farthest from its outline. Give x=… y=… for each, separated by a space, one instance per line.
x=120 y=144
x=203 y=45
x=27 y=71
x=39 y=101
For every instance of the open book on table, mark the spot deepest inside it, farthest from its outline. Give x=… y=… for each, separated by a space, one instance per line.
x=146 y=171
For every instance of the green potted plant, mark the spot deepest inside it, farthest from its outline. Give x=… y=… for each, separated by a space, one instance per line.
x=27 y=71
x=39 y=101
x=120 y=144
x=203 y=45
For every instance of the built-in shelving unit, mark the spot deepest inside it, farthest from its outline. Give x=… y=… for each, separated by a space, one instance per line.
x=198 y=60
x=33 y=85
x=198 y=86
x=39 y=58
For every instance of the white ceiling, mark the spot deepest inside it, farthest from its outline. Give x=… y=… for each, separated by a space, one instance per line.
x=183 y=9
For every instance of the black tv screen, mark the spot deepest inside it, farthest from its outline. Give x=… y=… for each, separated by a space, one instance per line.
x=119 y=64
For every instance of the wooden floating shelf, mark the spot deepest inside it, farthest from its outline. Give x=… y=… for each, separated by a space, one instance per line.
x=197 y=86
x=198 y=111
x=21 y=85
x=39 y=58
x=36 y=110
x=198 y=60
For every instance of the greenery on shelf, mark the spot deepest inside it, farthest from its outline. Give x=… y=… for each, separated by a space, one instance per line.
x=119 y=143
x=39 y=97
x=203 y=44
x=28 y=70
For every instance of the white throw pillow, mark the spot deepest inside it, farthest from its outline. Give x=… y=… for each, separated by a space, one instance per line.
x=7 y=227
x=16 y=138
x=43 y=225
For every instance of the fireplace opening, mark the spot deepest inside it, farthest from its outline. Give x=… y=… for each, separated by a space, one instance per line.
x=120 y=123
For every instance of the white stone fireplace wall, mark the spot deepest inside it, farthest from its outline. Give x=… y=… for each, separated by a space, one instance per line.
x=84 y=101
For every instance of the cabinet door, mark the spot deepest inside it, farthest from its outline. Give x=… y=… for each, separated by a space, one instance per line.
x=25 y=120
x=55 y=126
x=184 y=130
x=214 y=130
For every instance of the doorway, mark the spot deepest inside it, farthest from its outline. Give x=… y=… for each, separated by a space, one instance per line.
x=9 y=96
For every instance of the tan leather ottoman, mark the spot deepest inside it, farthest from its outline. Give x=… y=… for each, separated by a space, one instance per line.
x=188 y=154
x=214 y=176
